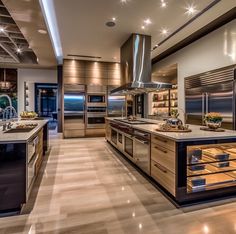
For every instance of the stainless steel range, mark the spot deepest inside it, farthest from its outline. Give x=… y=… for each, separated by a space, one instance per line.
x=133 y=143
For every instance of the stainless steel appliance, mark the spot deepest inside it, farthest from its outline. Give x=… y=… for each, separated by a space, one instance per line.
x=96 y=117
x=135 y=63
x=74 y=110
x=213 y=91
x=142 y=150
x=96 y=95
x=116 y=106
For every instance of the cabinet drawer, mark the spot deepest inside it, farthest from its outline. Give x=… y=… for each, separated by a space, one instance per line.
x=163 y=176
x=163 y=156
x=165 y=142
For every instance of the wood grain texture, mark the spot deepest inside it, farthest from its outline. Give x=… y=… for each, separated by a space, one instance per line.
x=164 y=142
x=164 y=176
x=163 y=156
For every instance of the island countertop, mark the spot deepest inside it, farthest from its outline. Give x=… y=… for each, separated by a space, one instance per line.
x=196 y=134
x=6 y=138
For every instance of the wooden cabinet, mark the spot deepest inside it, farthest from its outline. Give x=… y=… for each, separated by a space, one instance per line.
x=163 y=162
x=164 y=156
x=163 y=176
x=164 y=142
x=39 y=151
x=108 y=131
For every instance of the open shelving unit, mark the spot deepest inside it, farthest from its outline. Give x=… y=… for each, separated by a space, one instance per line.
x=163 y=101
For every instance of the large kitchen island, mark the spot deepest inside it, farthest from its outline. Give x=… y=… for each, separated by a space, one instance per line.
x=22 y=146
x=188 y=167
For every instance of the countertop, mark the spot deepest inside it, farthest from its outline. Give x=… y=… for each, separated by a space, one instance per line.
x=6 y=138
x=196 y=133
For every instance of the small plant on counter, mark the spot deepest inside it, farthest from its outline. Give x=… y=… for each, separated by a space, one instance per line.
x=213 y=117
x=213 y=120
x=174 y=113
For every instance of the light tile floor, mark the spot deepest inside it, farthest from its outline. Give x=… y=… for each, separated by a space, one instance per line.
x=85 y=187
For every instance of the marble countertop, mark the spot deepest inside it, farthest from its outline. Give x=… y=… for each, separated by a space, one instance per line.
x=21 y=137
x=196 y=134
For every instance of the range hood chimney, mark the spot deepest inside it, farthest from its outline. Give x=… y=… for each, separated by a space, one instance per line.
x=136 y=67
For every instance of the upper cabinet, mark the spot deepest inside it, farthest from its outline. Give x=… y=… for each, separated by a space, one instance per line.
x=91 y=73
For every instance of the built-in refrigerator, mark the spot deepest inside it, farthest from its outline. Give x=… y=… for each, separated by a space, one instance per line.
x=74 y=110
x=212 y=91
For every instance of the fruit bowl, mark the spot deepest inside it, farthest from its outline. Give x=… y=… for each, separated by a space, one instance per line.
x=28 y=115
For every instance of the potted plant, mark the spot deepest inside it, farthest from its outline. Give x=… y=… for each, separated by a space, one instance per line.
x=213 y=120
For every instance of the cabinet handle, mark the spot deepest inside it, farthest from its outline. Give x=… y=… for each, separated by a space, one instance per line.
x=162 y=150
x=160 y=168
x=165 y=141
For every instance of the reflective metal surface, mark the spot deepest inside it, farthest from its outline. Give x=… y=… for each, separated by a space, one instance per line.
x=136 y=67
x=211 y=92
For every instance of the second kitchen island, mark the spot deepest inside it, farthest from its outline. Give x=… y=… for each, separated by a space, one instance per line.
x=22 y=148
x=188 y=167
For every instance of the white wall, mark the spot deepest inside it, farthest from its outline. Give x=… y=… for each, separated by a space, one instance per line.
x=217 y=49
x=32 y=76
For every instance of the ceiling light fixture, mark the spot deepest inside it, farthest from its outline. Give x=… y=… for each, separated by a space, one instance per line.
x=18 y=50
x=147 y=21
x=2 y=29
x=163 y=4
x=191 y=9
x=114 y=19
x=48 y=10
x=164 y=31
x=142 y=27
x=42 y=31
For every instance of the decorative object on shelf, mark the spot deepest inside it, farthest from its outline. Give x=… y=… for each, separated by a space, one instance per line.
x=213 y=120
x=28 y=115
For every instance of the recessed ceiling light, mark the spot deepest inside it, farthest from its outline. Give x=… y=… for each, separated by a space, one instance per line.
x=110 y=24
x=18 y=50
x=142 y=27
x=164 y=31
x=42 y=31
x=114 y=19
x=190 y=10
x=147 y=21
x=163 y=4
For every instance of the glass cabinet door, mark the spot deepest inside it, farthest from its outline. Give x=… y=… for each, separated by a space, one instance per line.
x=211 y=167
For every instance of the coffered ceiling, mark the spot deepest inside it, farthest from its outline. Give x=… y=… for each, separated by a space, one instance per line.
x=24 y=28
x=82 y=28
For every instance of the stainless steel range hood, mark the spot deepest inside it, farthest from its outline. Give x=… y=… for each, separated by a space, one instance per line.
x=136 y=67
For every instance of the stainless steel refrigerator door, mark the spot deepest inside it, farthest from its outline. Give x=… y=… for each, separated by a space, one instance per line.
x=220 y=99
x=195 y=107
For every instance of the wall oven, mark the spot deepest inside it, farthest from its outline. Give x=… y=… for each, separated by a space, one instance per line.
x=96 y=98
x=96 y=117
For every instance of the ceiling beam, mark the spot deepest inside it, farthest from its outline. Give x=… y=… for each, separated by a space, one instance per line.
x=10 y=52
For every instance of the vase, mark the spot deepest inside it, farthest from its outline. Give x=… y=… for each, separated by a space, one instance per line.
x=213 y=125
x=174 y=122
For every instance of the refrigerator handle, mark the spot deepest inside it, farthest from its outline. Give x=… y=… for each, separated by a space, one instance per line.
x=207 y=103
x=203 y=107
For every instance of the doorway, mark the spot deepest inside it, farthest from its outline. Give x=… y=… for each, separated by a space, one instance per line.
x=46 y=102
